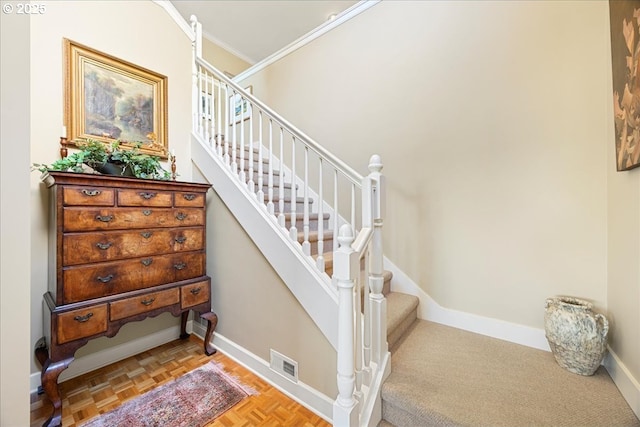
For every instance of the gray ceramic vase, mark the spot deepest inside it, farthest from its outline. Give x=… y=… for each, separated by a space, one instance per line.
x=576 y=334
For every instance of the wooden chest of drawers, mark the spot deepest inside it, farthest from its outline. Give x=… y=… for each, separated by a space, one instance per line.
x=121 y=249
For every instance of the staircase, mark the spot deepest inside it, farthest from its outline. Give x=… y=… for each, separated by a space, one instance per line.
x=318 y=223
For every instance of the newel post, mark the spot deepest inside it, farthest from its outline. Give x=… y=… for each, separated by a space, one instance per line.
x=196 y=49
x=376 y=279
x=345 y=407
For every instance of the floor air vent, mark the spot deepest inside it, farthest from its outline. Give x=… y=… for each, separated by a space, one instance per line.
x=284 y=366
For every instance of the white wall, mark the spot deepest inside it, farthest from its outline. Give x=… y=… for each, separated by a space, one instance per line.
x=14 y=220
x=140 y=32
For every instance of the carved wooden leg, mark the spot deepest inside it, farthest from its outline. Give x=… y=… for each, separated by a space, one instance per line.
x=50 y=373
x=183 y=325
x=212 y=322
x=42 y=351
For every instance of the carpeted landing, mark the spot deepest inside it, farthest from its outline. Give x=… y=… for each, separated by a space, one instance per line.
x=442 y=376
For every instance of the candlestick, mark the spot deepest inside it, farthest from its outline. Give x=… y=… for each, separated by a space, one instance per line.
x=173 y=166
x=64 y=132
x=63 y=147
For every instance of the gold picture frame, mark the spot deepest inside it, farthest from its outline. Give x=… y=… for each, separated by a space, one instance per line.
x=109 y=99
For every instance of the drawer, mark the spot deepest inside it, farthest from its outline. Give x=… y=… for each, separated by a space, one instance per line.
x=82 y=323
x=195 y=294
x=142 y=197
x=192 y=200
x=110 y=278
x=92 y=219
x=85 y=248
x=87 y=196
x=145 y=303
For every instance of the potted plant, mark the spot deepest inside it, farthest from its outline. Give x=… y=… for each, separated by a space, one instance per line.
x=113 y=160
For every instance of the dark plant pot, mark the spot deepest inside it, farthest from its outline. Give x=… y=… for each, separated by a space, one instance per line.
x=110 y=168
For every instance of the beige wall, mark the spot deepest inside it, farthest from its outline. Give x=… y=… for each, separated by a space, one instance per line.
x=494 y=122
x=222 y=59
x=140 y=32
x=14 y=220
x=256 y=310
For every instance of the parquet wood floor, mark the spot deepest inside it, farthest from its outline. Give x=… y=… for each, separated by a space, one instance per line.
x=99 y=391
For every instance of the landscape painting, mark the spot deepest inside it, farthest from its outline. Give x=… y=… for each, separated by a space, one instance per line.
x=110 y=100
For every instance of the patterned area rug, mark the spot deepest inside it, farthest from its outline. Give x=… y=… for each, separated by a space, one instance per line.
x=193 y=400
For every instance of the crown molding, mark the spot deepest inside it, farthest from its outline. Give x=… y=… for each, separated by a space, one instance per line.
x=175 y=15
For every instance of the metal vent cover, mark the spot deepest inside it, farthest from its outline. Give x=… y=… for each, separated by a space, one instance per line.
x=285 y=366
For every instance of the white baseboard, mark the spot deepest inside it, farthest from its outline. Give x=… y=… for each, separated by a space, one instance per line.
x=311 y=398
x=105 y=357
x=430 y=310
x=629 y=387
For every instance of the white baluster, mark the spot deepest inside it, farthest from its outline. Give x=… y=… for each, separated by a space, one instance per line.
x=234 y=162
x=205 y=107
x=260 y=156
x=270 y=207
x=367 y=222
x=200 y=130
x=320 y=259
x=281 y=218
x=227 y=133
x=242 y=175
x=293 y=231
x=251 y=185
x=306 y=246
x=219 y=126
x=353 y=207
x=358 y=330
x=335 y=207
x=345 y=407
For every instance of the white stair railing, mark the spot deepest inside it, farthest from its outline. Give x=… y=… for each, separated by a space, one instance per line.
x=318 y=201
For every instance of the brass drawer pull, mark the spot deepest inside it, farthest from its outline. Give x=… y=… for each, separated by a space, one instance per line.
x=146 y=212
x=104 y=279
x=147 y=302
x=189 y=197
x=180 y=239
x=180 y=216
x=104 y=218
x=195 y=291
x=179 y=266
x=91 y=193
x=104 y=246
x=84 y=318
x=146 y=234
x=147 y=196
x=147 y=261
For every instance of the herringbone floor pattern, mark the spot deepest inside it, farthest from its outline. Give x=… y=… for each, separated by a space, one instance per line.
x=99 y=391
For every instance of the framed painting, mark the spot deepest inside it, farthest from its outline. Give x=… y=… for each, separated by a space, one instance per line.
x=624 y=16
x=109 y=99
x=240 y=108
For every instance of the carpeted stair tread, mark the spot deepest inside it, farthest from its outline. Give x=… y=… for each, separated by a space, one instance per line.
x=442 y=376
x=401 y=313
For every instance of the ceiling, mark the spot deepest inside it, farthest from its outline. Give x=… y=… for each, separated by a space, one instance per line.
x=255 y=29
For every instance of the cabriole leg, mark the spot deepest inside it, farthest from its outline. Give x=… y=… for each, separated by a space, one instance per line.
x=50 y=373
x=212 y=322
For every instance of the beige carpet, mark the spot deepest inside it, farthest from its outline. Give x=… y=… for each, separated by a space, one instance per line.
x=443 y=376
